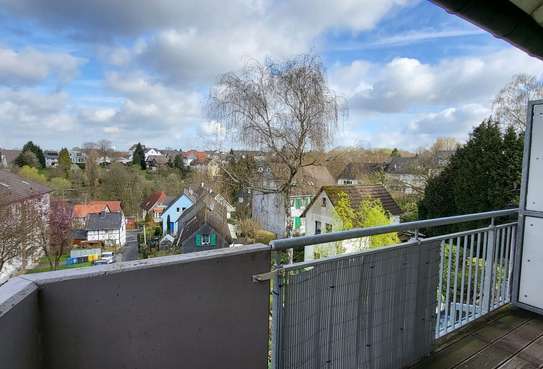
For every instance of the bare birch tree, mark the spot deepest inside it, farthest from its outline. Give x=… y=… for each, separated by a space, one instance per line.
x=18 y=231
x=509 y=106
x=285 y=109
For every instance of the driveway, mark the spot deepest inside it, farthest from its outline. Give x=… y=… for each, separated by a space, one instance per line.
x=130 y=250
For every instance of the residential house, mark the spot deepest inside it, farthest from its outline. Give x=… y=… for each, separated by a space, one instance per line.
x=170 y=215
x=77 y=156
x=170 y=154
x=7 y=157
x=16 y=194
x=51 y=158
x=171 y=223
x=155 y=205
x=320 y=215
x=106 y=227
x=204 y=226
x=150 y=151
x=268 y=207
x=81 y=211
x=156 y=161
x=306 y=185
x=443 y=157
x=357 y=173
x=404 y=175
x=192 y=155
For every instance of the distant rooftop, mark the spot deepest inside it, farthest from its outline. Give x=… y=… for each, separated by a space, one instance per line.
x=14 y=188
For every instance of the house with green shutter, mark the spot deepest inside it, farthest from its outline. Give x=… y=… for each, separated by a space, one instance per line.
x=204 y=226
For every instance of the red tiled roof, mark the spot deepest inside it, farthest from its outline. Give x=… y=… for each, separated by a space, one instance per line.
x=199 y=155
x=153 y=199
x=94 y=207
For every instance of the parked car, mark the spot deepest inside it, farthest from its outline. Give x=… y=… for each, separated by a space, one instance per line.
x=108 y=257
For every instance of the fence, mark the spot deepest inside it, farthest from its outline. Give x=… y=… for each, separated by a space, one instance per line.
x=383 y=308
x=475 y=275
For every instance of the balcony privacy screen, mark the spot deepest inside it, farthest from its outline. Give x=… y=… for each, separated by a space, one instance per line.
x=373 y=310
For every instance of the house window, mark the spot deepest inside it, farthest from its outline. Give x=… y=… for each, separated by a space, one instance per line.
x=297 y=222
x=318 y=227
x=298 y=203
x=183 y=209
x=178 y=210
x=328 y=228
x=324 y=202
x=206 y=239
x=347 y=182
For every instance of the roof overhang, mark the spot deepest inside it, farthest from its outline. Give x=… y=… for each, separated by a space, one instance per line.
x=519 y=22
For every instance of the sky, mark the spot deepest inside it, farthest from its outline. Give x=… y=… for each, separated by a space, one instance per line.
x=140 y=71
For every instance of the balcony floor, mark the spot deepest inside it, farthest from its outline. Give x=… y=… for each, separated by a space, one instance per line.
x=509 y=339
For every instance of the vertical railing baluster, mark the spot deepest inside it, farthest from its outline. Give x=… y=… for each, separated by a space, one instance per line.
x=457 y=261
x=468 y=297
x=500 y=265
x=505 y=269
x=440 y=289
x=461 y=304
x=487 y=289
x=511 y=254
x=495 y=270
x=447 y=293
x=476 y=289
x=276 y=315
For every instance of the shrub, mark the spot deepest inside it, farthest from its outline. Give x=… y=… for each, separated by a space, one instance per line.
x=265 y=237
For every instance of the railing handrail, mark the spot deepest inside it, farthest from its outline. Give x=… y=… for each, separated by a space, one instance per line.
x=296 y=242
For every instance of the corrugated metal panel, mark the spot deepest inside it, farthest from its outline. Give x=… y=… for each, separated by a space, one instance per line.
x=362 y=311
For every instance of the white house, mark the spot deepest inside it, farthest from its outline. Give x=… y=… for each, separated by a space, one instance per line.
x=109 y=228
x=320 y=215
x=51 y=158
x=77 y=156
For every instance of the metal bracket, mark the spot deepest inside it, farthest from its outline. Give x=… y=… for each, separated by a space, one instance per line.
x=264 y=277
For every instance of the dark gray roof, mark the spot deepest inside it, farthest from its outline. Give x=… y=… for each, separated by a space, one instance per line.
x=10 y=155
x=103 y=222
x=14 y=188
x=79 y=234
x=206 y=211
x=356 y=170
x=403 y=165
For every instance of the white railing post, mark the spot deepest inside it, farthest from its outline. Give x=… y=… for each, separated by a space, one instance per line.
x=489 y=267
x=276 y=315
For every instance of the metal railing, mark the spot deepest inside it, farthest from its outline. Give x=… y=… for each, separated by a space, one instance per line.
x=470 y=274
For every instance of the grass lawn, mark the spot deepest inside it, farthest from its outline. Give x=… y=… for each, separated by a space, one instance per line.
x=43 y=265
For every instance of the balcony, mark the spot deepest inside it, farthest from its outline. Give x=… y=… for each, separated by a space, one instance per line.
x=443 y=300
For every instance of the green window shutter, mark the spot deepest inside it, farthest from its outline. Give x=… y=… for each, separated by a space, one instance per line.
x=213 y=239
x=198 y=239
x=298 y=203
x=297 y=222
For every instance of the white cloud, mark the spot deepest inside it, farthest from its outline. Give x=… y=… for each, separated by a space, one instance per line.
x=112 y=130
x=30 y=66
x=193 y=48
x=408 y=83
x=26 y=114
